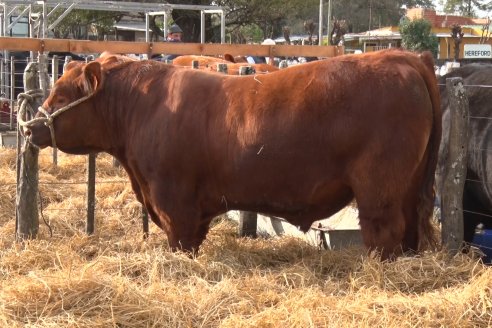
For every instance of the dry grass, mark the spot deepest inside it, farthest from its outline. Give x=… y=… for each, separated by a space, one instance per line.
x=114 y=278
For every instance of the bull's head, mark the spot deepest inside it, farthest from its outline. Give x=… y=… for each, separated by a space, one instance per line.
x=70 y=112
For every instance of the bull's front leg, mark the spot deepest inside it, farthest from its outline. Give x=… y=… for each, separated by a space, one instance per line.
x=184 y=223
x=187 y=233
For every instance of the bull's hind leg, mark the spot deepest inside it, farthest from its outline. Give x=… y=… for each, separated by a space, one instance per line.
x=382 y=227
x=411 y=239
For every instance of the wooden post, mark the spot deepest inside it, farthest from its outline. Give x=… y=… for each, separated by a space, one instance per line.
x=246 y=70
x=27 y=216
x=222 y=67
x=195 y=64
x=44 y=78
x=91 y=192
x=455 y=171
x=247 y=224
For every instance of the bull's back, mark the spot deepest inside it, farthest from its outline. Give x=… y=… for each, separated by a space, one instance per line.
x=347 y=110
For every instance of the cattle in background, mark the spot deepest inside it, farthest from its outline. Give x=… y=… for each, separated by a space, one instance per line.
x=211 y=63
x=477 y=194
x=295 y=143
x=203 y=61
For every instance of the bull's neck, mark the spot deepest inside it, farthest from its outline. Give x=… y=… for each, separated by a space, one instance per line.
x=122 y=103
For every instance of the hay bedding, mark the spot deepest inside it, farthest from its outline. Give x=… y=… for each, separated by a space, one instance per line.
x=114 y=278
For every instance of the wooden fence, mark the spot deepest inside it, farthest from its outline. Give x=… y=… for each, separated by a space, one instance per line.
x=173 y=48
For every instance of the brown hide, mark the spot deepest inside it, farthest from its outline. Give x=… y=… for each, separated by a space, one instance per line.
x=210 y=64
x=299 y=143
x=203 y=61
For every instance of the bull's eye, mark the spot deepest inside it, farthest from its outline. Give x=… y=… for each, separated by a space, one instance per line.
x=59 y=102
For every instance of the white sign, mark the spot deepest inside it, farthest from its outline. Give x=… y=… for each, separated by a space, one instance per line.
x=478 y=51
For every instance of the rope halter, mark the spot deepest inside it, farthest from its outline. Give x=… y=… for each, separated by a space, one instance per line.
x=26 y=100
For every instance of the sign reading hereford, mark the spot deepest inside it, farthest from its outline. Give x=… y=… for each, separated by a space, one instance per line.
x=478 y=51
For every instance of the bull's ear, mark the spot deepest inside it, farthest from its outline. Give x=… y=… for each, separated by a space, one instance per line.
x=71 y=65
x=93 y=76
x=229 y=57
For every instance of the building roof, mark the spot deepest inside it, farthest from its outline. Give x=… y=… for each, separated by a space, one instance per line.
x=438 y=20
x=378 y=34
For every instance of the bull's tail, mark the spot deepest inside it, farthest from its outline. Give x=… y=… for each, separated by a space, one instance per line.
x=427 y=233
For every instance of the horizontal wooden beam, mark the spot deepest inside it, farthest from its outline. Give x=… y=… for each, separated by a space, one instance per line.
x=91 y=47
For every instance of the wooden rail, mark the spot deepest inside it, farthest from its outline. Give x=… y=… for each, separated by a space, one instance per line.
x=212 y=49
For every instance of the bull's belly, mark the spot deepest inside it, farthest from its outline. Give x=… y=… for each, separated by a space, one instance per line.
x=300 y=208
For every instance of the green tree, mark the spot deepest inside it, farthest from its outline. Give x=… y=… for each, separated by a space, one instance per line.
x=78 y=23
x=466 y=7
x=416 y=35
x=270 y=16
x=363 y=15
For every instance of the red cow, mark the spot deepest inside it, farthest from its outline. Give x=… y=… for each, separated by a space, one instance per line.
x=211 y=63
x=300 y=143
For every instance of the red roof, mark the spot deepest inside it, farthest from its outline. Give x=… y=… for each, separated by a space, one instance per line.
x=443 y=20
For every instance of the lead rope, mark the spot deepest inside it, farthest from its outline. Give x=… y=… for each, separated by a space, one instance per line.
x=48 y=119
x=25 y=105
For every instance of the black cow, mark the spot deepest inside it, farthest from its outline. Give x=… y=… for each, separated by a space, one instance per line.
x=477 y=196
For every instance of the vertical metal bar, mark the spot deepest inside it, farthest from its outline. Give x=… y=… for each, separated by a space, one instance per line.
x=91 y=193
x=5 y=20
x=202 y=26
x=12 y=91
x=54 y=78
x=31 y=27
x=43 y=33
x=328 y=24
x=54 y=69
x=6 y=70
x=222 y=27
x=320 y=30
x=91 y=190
x=164 y=28
x=68 y=59
x=2 y=77
x=145 y=222
x=147 y=33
